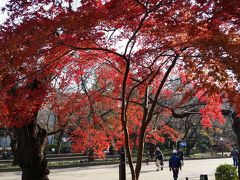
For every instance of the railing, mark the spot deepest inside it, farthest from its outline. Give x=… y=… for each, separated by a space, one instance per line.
x=68 y=157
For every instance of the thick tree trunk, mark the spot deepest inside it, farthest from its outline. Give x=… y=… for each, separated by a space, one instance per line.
x=188 y=150
x=190 y=145
x=28 y=149
x=191 y=142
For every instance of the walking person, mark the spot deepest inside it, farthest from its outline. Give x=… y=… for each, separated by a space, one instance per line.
x=174 y=164
x=234 y=154
x=147 y=157
x=159 y=158
x=180 y=155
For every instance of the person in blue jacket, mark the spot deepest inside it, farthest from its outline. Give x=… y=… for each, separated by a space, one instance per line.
x=175 y=164
x=235 y=154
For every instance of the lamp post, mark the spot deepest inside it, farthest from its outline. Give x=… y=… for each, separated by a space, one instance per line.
x=122 y=166
x=221 y=142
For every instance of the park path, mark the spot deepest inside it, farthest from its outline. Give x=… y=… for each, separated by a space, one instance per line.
x=191 y=169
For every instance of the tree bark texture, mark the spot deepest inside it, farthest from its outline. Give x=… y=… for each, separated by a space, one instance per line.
x=191 y=140
x=28 y=147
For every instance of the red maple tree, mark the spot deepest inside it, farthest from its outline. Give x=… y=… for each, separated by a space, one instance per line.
x=145 y=42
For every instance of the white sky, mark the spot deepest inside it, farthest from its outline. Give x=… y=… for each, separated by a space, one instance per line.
x=3 y=15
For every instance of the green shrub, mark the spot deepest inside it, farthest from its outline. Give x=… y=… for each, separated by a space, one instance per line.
x=226 y=172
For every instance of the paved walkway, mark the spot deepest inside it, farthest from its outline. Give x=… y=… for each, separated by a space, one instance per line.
x=191 y=169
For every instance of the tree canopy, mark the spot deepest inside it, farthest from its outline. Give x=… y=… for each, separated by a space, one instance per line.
x=132 y=49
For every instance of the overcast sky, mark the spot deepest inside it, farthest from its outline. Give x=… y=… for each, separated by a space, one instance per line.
x=3 y=15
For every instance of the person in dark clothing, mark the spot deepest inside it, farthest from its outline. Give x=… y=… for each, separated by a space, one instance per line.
x=175 y=164
x=234 y=154
x=159 y=159
x=147 y=154
x=5 y=155
x=180 y=155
